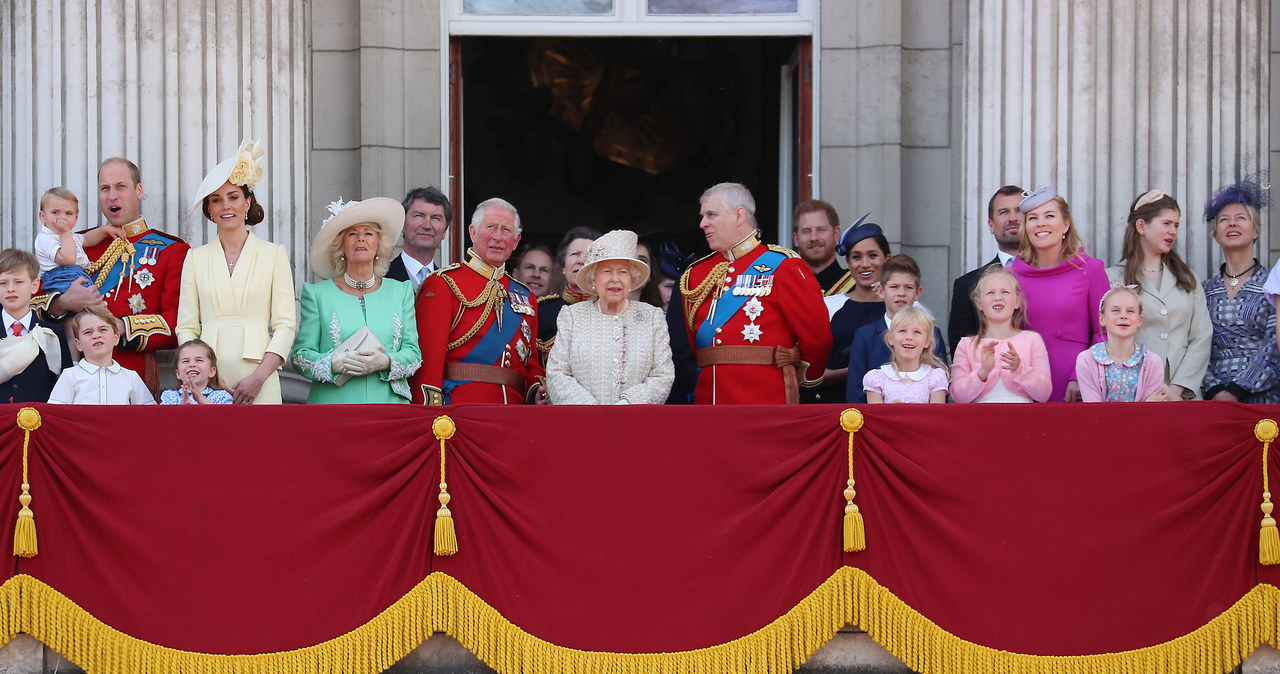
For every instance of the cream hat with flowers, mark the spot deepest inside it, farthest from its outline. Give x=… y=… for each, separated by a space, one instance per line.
x=244 y=168
x=620 y=244
x=385 y=214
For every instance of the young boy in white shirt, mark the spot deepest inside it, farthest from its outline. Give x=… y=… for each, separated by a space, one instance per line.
x=98 y=379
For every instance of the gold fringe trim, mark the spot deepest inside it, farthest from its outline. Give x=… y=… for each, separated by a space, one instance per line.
x=441 y=603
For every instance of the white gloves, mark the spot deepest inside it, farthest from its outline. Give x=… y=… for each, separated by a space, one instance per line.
x=343 y=362
x=360 y=363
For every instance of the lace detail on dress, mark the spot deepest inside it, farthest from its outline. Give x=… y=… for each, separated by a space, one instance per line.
x=396 y=328
x=335 y=330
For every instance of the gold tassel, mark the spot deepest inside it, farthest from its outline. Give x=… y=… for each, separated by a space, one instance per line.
x=446 y=540
x=855 y=535
x=1268 y=538
x=24 y=533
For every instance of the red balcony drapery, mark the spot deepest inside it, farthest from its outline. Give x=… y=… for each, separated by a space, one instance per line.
x=702 y=537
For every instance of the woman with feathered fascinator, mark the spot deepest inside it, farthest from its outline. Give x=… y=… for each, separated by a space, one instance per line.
x=1244 y=358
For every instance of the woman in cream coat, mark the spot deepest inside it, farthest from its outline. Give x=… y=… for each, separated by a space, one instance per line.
x=611 y=351
x=237 y=291
x=1175 y=317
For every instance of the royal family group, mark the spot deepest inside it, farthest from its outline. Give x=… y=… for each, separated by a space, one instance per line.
x=618 y=319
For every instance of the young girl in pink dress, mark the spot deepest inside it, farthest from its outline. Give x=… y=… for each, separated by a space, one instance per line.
x=1004 y=362
x=1118 y=370
x=914 y=374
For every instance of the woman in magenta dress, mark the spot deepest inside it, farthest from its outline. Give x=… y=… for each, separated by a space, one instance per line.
x=1061 y=285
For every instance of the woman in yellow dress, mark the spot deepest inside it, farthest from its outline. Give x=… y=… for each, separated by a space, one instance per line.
x=237 y=291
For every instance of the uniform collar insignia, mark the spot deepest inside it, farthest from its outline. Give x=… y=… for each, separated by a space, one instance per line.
x=762 y=268
x=744 y=246
x=486 y=270
x=135 y=228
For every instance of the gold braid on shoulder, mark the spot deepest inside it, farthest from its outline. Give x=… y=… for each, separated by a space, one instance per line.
x=490 y=297
x=696 y=296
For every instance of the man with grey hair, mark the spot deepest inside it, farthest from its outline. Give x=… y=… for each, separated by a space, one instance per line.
x=754 y=312
x=427 y=216
x=477 y=326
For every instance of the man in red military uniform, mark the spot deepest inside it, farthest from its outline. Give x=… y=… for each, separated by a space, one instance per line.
x=139 y=276
x=477 y=326
x=754 y=312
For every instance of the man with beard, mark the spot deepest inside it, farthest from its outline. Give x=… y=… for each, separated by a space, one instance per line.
x=1003 y=220
x=815 y=231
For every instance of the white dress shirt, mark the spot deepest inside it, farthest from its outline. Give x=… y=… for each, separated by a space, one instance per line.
x=415 y=269
x=87 y=384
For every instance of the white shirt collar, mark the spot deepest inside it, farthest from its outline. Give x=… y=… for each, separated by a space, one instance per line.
x=411 y=265
x=1006 y=259
x=84 y=364
x=10 y=320
x=918 y=375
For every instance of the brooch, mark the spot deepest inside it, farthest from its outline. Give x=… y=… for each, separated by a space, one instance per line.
x=143 y=277
x=136 y=304
x=751 y=332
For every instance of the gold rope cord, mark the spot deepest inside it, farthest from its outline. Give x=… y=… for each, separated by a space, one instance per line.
x=441 y=603
x=490 y=297
x=119 y=248
x=697 y=296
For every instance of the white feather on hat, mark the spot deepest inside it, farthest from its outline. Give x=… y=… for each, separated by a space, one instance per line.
x=386 y=214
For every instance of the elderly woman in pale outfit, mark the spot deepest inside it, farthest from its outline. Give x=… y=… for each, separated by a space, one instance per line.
x=237 y=291
x=611 y=351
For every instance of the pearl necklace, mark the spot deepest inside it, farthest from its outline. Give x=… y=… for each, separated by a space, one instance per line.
x=359 y=285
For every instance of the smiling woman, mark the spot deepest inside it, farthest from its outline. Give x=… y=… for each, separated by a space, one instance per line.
x=613 y=351
x=1061 y=285
x=237 y=291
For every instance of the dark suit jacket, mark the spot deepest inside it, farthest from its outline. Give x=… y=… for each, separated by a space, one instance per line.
x=397 y=271
x=870 y=352
x=34 y=384
x=963 y=321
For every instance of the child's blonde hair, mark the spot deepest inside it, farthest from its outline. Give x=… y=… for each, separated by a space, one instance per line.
x=914 y=316
x=1117 y=289
x=61 y=193
x=1019 y=314
x=97 y=310
x=213 y=358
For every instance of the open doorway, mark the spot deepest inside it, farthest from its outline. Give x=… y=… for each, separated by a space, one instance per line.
x=627 y=132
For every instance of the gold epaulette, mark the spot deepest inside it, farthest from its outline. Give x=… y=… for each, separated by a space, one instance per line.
x=548 y=298
x=41 y=302
x=781 y=249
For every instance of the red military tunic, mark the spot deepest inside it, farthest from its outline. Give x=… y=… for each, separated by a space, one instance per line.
x=141 y=283
x=458 y=310
x=779 y=304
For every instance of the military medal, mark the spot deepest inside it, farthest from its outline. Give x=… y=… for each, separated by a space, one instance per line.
x=136 y=304
x=522 y=350
x=526 y=331
x=751 y=332
x=753 y=308
x=752 y=285
x=520 y=304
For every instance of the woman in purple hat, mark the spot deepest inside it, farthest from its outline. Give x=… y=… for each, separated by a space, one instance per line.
x=1061 y=285
x=1244 y=365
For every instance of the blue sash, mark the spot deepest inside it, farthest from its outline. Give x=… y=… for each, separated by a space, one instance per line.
x=151 y=243
x=728 y=303
x=489 y=348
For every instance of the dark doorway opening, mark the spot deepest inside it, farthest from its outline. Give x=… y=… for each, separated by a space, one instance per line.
x=621 y=132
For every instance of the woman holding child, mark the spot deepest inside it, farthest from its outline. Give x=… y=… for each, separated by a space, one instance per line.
x=1061 y=285
x=237 y=291
x=358 y=339
x=1176 y=323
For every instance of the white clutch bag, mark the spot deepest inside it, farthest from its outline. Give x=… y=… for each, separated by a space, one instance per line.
x=361 y=340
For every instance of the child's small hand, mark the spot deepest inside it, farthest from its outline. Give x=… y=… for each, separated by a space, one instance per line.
x=61 y=225
x=1012 y=361
x=1161 y=395
x=987 y=359
x=185 y=390
x=115 y=232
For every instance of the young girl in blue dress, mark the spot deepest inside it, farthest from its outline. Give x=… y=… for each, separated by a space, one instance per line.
x=1119 y=370
x=197 y=376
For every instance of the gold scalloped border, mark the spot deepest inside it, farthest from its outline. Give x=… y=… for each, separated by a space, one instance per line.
x=441 y=603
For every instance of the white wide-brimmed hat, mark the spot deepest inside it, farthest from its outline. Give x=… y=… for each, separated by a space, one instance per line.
x=620 y=244
x=244 y=168
x=381 y=212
